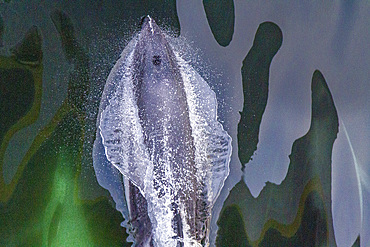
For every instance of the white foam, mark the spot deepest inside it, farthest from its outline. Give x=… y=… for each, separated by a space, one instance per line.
x=122 y=138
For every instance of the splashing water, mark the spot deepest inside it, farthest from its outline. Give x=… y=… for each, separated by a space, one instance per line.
x=168 y=192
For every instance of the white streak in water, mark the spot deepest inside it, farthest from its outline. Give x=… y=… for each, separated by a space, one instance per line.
x=358 y=172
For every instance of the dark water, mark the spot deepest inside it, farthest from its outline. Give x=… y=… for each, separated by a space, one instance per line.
x=297 y=73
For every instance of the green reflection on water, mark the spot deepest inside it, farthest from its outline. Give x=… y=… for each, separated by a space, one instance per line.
x=45 y=210
x=64 y=222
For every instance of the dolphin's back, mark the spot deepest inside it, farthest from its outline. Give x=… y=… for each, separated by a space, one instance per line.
x=158 y=126
x=164 y=116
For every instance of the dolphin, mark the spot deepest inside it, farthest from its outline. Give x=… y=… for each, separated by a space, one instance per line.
x=164 y=117
x=157 y=123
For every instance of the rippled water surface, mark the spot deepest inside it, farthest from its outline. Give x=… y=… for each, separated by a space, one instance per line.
x=291 y=82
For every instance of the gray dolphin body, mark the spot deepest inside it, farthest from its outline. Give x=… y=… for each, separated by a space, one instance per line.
x=157 y=124
x=164 y=117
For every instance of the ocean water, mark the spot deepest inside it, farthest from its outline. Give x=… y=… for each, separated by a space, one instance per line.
x=55 y=57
